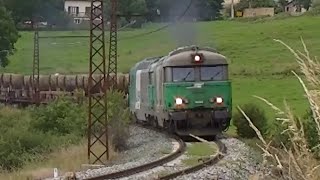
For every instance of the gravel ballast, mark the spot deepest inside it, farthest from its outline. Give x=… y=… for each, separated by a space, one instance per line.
x=240 y=162
x=144 y=146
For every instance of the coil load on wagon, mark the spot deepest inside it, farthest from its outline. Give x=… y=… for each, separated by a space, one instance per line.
x=70 y=83
x=53 y=82
x=17 y=81
x=67 y=83
x=44 y=82
x=27 y=82
x=81 y=80
x=5 y=80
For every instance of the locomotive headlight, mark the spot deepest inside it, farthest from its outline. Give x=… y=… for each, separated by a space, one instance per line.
x=219 y=100
x=197 y=58
x=179 y=101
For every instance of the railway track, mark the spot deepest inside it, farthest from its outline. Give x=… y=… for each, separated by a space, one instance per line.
x=145 y=167
x=208 y=162
x=180 y=151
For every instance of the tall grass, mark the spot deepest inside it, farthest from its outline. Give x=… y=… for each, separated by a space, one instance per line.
x=33 y=136
x=296 y=161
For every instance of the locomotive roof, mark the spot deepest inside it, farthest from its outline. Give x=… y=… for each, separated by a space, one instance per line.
x=144 y=64
x=191 y=48
x=183 y=57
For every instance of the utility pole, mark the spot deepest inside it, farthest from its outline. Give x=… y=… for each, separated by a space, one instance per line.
x=113 y=55
x=232 y=9
x=97 y=120
x=35 y=67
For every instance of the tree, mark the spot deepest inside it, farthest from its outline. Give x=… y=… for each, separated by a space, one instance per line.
x=209 y=9
x=315 y=3
x=282 y=4
x=199 y=9
x=153 y=8
x=129 y=8
x=47 y=10
x=305 y=3
x=8 y=35
x=243 y=4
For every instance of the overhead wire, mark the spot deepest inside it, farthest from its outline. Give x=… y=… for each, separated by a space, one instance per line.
x=161 y=28
x=134 y=36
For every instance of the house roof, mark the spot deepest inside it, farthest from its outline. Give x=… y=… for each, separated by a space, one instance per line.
x=291 y=2
x=78 y=0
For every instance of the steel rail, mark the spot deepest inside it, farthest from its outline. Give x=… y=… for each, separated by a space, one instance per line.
x=210 y=162
x=148 y=166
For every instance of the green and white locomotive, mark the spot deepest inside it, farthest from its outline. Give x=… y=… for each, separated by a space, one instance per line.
x=185 y=92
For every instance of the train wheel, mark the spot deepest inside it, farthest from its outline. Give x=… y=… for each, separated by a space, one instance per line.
x=170 y=126
x=134 y=118
x=154 y=122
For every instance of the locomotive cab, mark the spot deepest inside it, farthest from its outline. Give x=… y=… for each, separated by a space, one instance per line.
x=185 y=92
x=197 y=93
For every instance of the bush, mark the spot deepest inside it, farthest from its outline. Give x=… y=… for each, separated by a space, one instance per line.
x=297 y=161
x=279 y=136
x=28 y=134
x=118 y=114
x=315 y=11
x=118 y=120
x=311 y=133
x=61 y=117
x=19 y=143
x=258 y=118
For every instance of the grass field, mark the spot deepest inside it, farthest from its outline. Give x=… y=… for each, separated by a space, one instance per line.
x=258 y=64
x=198 y=151
x=249 y=46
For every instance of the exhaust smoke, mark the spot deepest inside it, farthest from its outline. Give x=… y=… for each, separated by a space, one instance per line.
x=183 y=31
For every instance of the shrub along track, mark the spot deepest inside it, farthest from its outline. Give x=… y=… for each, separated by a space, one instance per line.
x=180 y=151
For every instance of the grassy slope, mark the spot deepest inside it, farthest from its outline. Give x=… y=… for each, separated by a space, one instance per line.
x=249 y=46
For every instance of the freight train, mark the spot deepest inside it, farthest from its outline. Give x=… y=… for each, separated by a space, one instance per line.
x=185 y=92
x=18 y=87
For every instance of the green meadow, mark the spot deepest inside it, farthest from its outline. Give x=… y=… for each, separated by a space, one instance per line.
x=258 y=65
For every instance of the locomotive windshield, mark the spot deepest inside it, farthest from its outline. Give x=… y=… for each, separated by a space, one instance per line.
x=192 y=74
x=183 y=74
x=213 y=73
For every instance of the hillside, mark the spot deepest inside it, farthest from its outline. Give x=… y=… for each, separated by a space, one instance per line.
x=249 y=46
x=259 y=65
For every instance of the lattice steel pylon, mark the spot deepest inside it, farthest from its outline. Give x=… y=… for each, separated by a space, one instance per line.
x=113 y=55
x=97 y=120
x=35 y=71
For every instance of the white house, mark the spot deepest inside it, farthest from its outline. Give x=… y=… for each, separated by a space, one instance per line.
x=78 y=9
x=294 y=8
x=227 y=3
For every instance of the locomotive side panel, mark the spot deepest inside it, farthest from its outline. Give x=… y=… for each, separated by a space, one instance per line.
x=151 y=93
x=144 y=93
x=160 y=111
x=136 y=86
x=138 y=109
x=132 y=90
